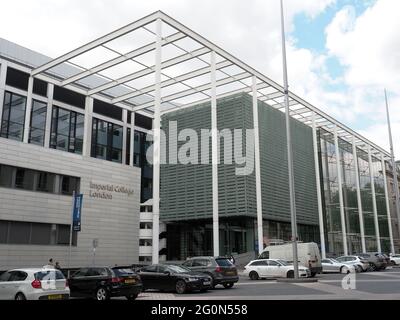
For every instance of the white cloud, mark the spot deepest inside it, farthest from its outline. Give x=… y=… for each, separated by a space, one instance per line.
x=368 y=47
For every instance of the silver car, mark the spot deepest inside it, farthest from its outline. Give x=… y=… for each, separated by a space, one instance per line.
x=356 y=261
x=333 y=266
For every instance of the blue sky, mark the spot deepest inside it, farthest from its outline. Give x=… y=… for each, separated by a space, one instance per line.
x=310 y=32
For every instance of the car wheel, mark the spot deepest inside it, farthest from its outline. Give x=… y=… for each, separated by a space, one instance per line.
x=20 y=296
x=374 y=267
x=102 y=294
x=132 y=296
x=180 y=287
x=212 y=281
x=290 y=274
x=313 y=274
x=254 y=275
x=344 y=269
x=228 y=285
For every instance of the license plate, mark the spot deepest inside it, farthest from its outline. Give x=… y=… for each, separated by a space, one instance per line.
x=230 y=273
x=130 y=281
x=206 y=282
x=55 y=297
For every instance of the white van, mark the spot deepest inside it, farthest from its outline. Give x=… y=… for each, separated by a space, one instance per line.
x=308 y=255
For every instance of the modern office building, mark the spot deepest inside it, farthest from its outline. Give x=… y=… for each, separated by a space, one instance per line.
x=81 y=122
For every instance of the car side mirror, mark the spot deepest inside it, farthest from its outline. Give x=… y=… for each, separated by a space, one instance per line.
x=167 y=273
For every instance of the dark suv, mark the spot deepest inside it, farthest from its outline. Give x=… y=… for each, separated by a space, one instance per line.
x=376 y=260
x=221 y=269
x=102 y=283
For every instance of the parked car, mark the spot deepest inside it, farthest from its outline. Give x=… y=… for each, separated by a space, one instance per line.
x=220 y=269
x=102 y=283
x=331 y=265
x=33 y=284
x=387 y=259
x=308 y=255
x=375 y=259
x=174 y=277
x=273 y=268
x=395 y=259
x=356 y=261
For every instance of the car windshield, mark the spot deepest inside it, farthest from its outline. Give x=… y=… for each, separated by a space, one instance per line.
x=49 y=275
x=123 y=271
x=334 y=260
x=179 y=269
x=223 y=262
x=283 y=262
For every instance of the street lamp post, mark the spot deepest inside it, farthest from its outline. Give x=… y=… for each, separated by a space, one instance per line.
x=289 y=150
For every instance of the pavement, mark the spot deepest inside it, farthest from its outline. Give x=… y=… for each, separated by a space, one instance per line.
x=380 y=285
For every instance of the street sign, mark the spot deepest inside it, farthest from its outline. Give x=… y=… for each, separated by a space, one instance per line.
x=77 y=213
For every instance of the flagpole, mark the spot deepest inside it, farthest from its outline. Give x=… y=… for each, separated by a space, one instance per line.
x=289 y=150
x=395 y=181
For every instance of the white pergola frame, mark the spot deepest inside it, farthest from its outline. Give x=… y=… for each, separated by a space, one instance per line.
x=250 y=80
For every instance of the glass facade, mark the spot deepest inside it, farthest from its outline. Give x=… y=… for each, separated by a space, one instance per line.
x=38 y=123
x=106 y=140
x=13 y=119
x=67 y=130
x=332 y=220
x=366 y=200
x=379 y=184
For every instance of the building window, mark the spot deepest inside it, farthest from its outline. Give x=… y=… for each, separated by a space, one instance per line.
x=35 y=180
x=145 y=242
x=145 y=259
x=69 y=97
x=38 y=123
x=128 y=146
x=106 y=140
x=13 y=119
x=35 y=233
x=67 y=130
x=24 y=179
x=45 y=182
x=146 y=225
x=6 y=176
x=69 y=185
x=17 y=79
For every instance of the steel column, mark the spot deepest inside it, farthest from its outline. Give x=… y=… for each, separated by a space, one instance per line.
x=132 y=140
x=319 y=189
x=125 y=132
x=87 y=131
x=260 y=231
x=340 y=188
x=156 y=145
x=375 y=210
x=387 y=204
x=28 y=111
x=214 y=154
x=3 y=73
x=359 y=200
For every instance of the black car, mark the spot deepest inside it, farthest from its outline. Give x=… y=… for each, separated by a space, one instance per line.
x=103 y=283
x=220 y=269
x=173 y=277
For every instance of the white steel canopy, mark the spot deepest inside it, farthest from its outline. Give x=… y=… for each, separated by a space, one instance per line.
x=120 y=68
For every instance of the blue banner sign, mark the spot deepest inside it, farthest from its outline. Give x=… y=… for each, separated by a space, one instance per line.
x=77 y=212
